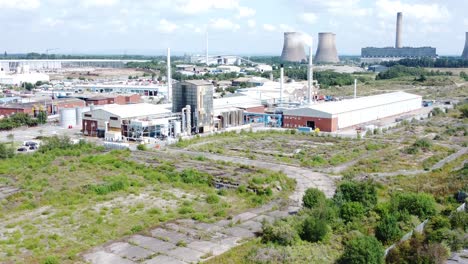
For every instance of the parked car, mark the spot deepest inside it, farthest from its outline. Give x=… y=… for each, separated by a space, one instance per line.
x=22 y=149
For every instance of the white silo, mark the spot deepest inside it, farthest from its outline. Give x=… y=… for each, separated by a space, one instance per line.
x=68 y=117
x=177 y=128
x=79 y=114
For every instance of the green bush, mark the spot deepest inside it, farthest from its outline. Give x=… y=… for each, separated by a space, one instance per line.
x=313 y=197
x=353 y=191
x=388 y=229
x=420 y=204
x=142 y=147
x=459 y=220
x=193 y=176
x=212 y=199
x=280 y=232
x=314 y=229
x=51 y=260
x=418 y=251
x=362 y=250
x=352 y=210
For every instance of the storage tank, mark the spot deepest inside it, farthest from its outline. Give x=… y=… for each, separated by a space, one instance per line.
x=79 y=114
x=67 y=117
x=177 y=128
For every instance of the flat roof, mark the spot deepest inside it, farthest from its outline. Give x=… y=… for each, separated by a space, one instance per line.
x=135 y=110
x=240 y=101
x=359 y=103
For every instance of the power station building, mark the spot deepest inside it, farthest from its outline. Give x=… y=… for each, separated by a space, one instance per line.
x=376 y=55
x=293 y=47
x=333 y=116
x=465 y=50
x=198 y=94
x=326 y=50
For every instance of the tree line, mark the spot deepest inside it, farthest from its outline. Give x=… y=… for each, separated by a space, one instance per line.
x=429 y=63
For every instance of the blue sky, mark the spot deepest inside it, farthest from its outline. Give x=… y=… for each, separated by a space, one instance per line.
x=235 y=26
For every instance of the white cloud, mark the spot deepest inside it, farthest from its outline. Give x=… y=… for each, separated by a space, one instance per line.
x=337 y=7
x=201 y=6
x=52 y=22
x=251 y=23
x=99 y=3
x=20 y=4
x=422 y=12
x=166 y=26
x=309 y=18
x=223 y=24
x=269 y=27
x=286 y=28
x=465 y=21
x=246 y=11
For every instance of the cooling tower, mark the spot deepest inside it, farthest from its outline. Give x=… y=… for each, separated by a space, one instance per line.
x=293 y=48
x=399 y=22
x=326 y=50
x=465 y=50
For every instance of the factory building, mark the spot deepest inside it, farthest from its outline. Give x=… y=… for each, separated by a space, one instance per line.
x=142 y=90
x=333 y=116
x=49 y=65
x=132 y=121
x=121 y=99
x=51 y=106
x=198 y=94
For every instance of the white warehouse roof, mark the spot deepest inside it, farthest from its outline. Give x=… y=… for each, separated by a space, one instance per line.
x=349 y=105
x=135 y=110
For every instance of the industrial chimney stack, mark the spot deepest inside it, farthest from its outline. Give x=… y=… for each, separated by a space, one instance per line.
x=465 y=50
x=326 y=50
x=293 y=48
x=399 y=22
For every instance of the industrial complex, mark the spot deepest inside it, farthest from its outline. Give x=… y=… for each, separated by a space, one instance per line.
x=376 y=55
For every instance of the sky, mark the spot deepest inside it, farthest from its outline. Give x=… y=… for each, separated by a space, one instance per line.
x=243 y=27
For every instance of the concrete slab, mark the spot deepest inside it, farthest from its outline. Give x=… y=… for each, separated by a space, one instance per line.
x=260 y=218
x=239 y=232
x=230 y=241
x=243 y=217
x=203 y=246
x=185 y=230
x=208 y=227
x=223 y=223
x=170 y=236
x=278 y=214
x=186 y=254
x=161 y=259
x=252 y=226
x=152 y=243
x=128 y=251
x=102 y=257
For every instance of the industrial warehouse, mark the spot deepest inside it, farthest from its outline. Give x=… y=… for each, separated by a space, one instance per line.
x=334 y=116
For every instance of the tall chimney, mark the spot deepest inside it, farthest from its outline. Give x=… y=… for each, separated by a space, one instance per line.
x=293 y=47
x=169 y=78
x=206 y=49
x=465 y=51
x=326 y=49
x=281 y=85
x=310 y=77
x=399 y=22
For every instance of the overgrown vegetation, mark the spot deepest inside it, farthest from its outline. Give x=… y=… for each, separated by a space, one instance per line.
x=21 y=119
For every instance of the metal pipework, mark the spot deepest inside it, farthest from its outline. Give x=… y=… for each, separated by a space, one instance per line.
x=310 y=77
x=169 y=80
x=281 y=84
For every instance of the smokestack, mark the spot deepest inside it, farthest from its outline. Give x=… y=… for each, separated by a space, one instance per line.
x=355 y=88
x=293 y=48
x=281 y=84
x=326 y=50
x=169 y=80
x=465 y=51
x=310 y=77
x=399 y=21
x=206 y=49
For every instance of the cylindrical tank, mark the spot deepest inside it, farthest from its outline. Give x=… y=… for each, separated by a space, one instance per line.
x=67 y=117
x=177 y=128
x=79 y=114
x=326 y=50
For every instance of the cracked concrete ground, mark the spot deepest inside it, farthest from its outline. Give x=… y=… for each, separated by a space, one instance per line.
x=188 y=241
